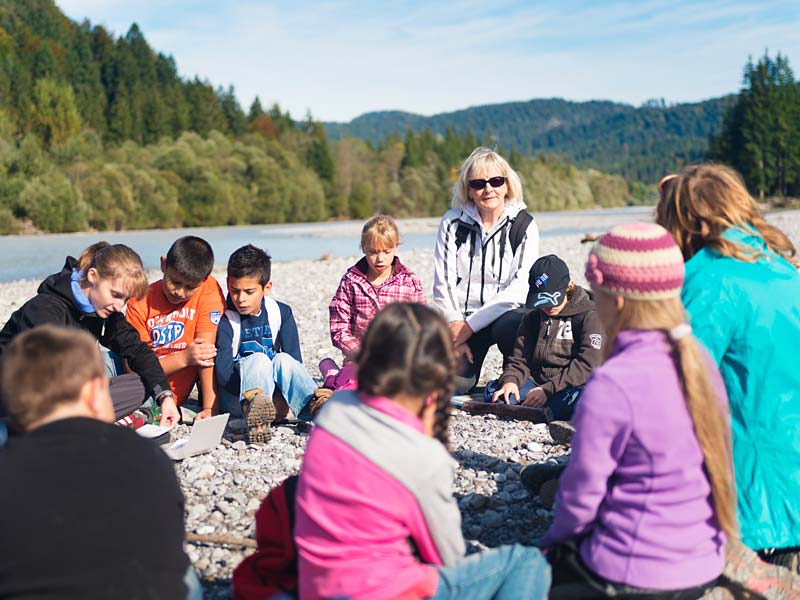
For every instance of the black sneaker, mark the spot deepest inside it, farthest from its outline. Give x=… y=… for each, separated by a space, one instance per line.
x=259 y=413
x=535 y=475
x=561 y=432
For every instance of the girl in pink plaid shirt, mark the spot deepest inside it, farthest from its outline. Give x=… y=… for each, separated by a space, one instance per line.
x=376 y=280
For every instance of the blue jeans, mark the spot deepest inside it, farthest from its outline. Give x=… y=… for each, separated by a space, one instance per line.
x=505 y=573
x=194 y=587
x=283 y=371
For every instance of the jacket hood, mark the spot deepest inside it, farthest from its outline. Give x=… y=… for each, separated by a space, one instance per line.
x=469 y=212
x=580 y=302
x=60 y=285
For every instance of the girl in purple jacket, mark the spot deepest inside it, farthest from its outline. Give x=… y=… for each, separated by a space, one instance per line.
x=646 y=501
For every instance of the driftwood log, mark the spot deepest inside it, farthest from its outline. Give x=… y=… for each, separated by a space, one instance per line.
x=221 y=540
x=521 y=413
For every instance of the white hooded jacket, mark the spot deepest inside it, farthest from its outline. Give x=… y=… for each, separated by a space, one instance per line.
x=482 y=278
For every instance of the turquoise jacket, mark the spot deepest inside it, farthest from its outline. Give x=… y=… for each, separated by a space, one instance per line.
x=748 y=316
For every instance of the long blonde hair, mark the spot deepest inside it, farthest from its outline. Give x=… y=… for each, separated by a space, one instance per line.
x=708 y=417
x=702 y=201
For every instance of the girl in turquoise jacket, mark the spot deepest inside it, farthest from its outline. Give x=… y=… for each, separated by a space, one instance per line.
x=742 y=292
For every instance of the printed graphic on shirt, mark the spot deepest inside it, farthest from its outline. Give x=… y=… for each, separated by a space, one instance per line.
x=167 y=330
x=256 y=340
x=564 y=330
x=164 y=335
x=596 y=340
x=215 y=316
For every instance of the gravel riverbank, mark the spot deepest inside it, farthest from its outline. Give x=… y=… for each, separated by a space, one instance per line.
x=224 y=488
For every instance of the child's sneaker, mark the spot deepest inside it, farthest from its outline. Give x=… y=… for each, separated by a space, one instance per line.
x=259 y=413
x=321 y=396
x=329 y=370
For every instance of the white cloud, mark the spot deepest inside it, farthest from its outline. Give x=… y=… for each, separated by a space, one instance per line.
x=341 y=59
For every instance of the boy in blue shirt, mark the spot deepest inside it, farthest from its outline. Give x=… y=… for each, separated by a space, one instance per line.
x=258 y=349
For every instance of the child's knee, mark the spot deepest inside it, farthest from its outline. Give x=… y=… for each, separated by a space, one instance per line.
x=284 y=362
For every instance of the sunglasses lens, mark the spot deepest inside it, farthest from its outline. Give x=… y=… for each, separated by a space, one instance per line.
x=497 y=181
x=477 y=184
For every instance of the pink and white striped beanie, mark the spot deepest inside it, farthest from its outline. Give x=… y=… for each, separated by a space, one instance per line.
x=638 y=260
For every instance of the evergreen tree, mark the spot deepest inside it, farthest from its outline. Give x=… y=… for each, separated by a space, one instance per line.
x=256 y=110
x=760 y=134
x=234 y=115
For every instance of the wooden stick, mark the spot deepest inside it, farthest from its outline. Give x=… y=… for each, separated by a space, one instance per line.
x=521 y=413
x=224 y=540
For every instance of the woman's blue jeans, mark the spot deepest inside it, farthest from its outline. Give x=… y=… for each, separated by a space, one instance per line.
x=505 y=573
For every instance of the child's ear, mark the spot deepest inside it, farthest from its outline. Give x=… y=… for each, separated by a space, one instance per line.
x=268 y=287
x=96 y=398
x=164 y=265
x=92 y=276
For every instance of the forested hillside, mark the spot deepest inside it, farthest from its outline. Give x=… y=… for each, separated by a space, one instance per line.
x=102 y=132
x=640 y=143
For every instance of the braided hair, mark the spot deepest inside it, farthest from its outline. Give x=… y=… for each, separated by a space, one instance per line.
x=407 y=349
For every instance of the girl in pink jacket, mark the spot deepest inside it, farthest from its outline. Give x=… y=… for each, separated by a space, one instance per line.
x=376 y=518
x=377 y=279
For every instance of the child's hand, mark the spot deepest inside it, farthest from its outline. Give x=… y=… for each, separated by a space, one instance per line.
x=508 y=389
x=203 y=414
x=200 y=354
x=170 y=415
x=536 y=398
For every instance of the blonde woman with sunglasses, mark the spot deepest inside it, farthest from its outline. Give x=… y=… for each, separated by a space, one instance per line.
x=486 y=245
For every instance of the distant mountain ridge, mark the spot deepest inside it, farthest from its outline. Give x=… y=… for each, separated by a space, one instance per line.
x=639 y=142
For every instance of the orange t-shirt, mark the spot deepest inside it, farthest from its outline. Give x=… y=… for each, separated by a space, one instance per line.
x=168 y=328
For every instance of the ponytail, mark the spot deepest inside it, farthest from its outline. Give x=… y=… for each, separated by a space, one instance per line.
x=115 y=261
x=710 y=427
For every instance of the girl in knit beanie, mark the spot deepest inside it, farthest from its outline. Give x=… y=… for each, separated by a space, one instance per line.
x=646 y=500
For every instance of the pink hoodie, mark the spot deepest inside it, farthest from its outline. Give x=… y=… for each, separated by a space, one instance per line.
x=354 y=522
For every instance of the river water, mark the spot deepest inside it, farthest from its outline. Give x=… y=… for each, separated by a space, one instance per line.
x=34 y=257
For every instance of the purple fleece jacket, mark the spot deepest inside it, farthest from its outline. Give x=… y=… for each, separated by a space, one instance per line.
x=635 y=492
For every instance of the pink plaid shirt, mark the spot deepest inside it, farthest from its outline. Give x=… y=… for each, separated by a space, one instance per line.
x=357 y=301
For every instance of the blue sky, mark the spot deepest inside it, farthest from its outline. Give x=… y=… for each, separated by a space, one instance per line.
x=340 y=59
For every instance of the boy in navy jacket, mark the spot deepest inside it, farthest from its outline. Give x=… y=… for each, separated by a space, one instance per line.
x=258 y=348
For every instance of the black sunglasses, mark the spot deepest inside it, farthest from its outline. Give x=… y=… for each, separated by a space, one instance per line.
x=479 y=184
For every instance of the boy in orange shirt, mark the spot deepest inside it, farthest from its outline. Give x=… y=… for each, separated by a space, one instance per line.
x=178 y=318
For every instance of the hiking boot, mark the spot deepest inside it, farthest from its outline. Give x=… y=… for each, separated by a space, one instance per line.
x=535 y=475
x=259 y=413
x=561 y=432
x=547 y=493
x=321 y=396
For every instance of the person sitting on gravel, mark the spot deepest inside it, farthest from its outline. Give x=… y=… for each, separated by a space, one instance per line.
x=558 y=344
x=646 y=501
x=87 y=509
x=742 y=294
x=485 y=247
x=90 y=294
x=178 y=318
x=373 y=282
x=258 y=350
x=375 y=514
